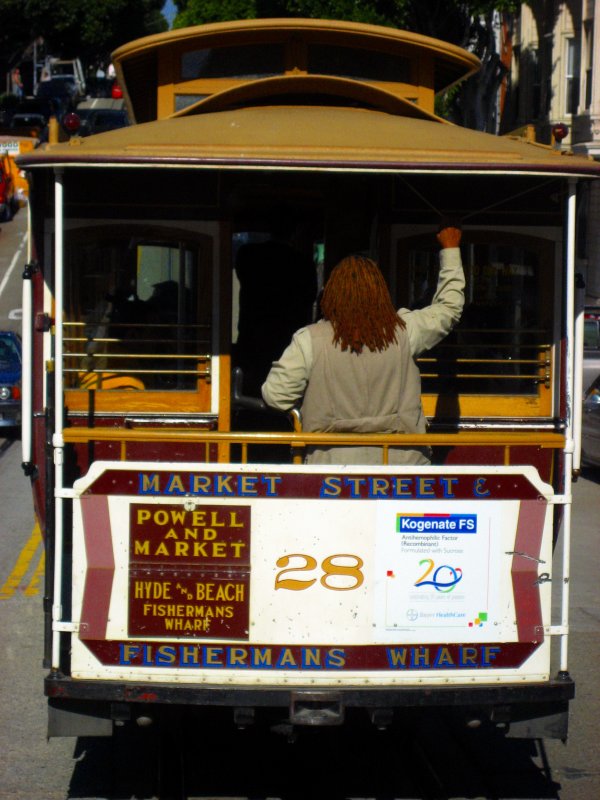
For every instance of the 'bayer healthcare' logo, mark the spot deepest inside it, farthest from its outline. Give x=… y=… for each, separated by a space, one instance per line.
x=436 y=523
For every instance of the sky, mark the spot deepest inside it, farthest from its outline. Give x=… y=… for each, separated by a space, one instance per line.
x=169 y=11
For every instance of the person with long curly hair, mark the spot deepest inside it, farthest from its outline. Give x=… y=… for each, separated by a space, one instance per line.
x=354 y=371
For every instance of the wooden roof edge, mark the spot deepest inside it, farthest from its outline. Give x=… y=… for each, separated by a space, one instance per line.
x=445 y=50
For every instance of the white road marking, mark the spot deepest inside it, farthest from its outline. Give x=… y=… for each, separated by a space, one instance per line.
x=13 y=263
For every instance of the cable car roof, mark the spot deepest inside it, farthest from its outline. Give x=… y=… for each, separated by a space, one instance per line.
x=161 y=74
x=314 y=137
x=212 y=96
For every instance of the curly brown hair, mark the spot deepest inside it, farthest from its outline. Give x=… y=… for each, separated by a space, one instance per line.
x=357 y=302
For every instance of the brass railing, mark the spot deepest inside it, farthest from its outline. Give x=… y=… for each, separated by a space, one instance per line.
x=141 y=355
x=299 y=442
x=445 y=366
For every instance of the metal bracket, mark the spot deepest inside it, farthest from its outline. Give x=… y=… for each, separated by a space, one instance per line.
x=66 y=627
x=66 y=494
x=525 y=555
x=30 y=269
x=316 y=708
x=560 y=499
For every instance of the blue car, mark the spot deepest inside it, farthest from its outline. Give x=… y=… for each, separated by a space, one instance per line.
x=590 y=435
x=10 y=379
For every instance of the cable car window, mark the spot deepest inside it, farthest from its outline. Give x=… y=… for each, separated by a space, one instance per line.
x=369 y=65
x=138 y=313
x=185 y=100
x=248 y=61
x=502 y=347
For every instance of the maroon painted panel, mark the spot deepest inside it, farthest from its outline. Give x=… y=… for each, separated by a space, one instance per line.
x=206 y=535
x=333 y=486
x=197 y=604
x=189 y=571
x=337 y=658
x=100 y=566
x=540 y=458
x=525 y=568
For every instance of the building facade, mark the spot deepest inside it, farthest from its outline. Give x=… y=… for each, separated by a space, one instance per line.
x=556 y=79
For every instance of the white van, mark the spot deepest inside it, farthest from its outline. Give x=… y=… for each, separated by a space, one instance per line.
x=69 y=67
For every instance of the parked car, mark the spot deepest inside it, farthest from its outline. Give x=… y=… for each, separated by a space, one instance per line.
x=88 y=121
x=99 y=87
x=590 y=436
x=31 y=116
x=8 y=197
x=62 y=89
x=8 y=106
x=30 y=124
x=591 y=346
x=45 y=107
x=10 y=379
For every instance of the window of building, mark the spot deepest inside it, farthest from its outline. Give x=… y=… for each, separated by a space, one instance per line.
x=572 y=76
x=536 y=82
x=588 y=33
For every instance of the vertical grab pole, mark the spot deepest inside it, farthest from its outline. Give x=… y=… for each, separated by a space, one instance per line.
x=57 y=438
x=569 y=447
x=27 y=356
x=579 y=313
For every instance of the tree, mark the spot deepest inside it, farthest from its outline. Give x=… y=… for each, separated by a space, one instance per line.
x=199 y=12
x=74 y=28
x=377 y=12
x=485 y=29
x=472 y=25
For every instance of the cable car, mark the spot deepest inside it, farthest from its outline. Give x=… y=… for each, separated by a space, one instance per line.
x=195 y=558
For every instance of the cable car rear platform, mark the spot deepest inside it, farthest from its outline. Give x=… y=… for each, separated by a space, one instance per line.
x=90 y=708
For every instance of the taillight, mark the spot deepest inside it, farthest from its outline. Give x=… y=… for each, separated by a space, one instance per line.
x=71 y=122
x=10 y=392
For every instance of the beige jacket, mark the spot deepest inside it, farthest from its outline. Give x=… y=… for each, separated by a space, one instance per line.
x=368 y=393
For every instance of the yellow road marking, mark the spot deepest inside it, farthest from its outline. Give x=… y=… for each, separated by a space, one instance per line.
x=22 y=565
x=33 y=588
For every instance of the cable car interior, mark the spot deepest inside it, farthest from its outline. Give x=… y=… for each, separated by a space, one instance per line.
x=154 y=307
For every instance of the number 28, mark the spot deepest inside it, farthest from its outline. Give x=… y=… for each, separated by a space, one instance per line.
x=330 y=567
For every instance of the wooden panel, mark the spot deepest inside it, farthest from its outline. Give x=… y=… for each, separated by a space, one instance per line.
x=128 y=401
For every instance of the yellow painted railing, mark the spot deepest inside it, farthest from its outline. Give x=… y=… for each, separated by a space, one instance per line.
x=298 y=442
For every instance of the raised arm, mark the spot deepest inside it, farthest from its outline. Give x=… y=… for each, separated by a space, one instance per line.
x=426 y=327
